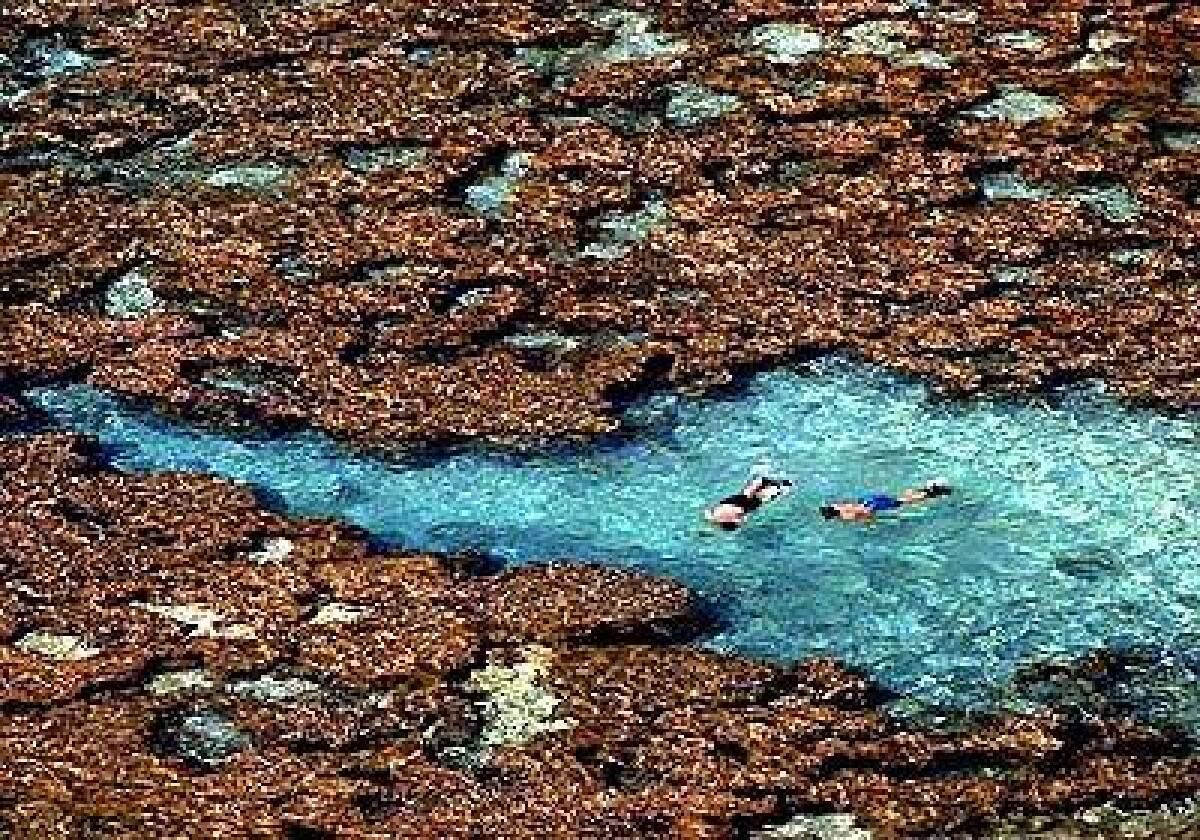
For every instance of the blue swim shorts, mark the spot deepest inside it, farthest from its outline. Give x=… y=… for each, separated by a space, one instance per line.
x=879 y=501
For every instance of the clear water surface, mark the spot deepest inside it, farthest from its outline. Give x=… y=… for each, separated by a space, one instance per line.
x=1074 y=523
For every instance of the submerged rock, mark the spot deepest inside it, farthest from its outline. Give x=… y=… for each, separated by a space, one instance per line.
x=1008 y=185
x=1104 y=821
x=628 y=121
x=274 y=550
x=1018 y=105
x=131 y=296
x=336 y=613
x=1025 y=39
x=1129 y=257
x=786 y=43
x=632 y=38
x=544 y=341
x=490 y=196
x=883 y=38
x=52 y=56
x=691 y=105
x=1182 y=141
x=1114 y=204
x=175 y=162
x=378 y=159
x=203 y=738
x=941 y=12
x=275 y=689
x=925 y=59
x=1098 y=62
x=179 y=682
x=621 y=230
x=1190 y=93
x=265 y=177
x=1153 y=686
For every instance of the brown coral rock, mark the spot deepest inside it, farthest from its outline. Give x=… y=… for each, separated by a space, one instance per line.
x=575 y=602
x=835 y=209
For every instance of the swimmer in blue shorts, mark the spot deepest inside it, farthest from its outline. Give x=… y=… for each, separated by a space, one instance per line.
x=869 y=505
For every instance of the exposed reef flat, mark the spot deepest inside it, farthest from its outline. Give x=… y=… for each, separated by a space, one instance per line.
x=160 y=675
x=409 y=222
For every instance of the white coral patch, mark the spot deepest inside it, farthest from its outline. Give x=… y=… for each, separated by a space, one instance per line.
x=55 y=646
x=177 y=682
x=274 y=550
x=336 y=613
x=207 y=622
x=1015 y=104
x=516 y=707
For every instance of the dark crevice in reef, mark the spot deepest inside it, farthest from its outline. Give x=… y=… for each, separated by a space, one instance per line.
x=78 y=514
x=303 y=832
x=486 y=163
x=653 y=374
x=66 y=376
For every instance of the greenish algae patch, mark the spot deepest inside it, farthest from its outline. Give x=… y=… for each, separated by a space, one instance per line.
x=618 y=232
x=691 y=105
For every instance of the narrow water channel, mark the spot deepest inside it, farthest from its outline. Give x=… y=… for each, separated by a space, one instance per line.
x=1074 y=522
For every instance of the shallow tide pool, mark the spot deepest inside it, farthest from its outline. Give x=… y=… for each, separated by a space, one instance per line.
x=1073 y=524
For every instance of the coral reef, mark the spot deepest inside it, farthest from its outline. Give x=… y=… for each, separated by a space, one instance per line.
x=426 y=222
x=157 y=680
x=346 y=215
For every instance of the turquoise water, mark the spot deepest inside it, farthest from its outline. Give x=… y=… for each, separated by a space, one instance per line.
x=1073 y=525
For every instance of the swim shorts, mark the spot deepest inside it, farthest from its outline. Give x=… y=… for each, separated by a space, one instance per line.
x=747 y=503
x=879 y=502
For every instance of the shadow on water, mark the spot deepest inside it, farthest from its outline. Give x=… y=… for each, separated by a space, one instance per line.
x=1090 y=564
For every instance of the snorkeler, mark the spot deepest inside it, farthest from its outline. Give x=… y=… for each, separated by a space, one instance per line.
x=730 y=513
x=867 y=506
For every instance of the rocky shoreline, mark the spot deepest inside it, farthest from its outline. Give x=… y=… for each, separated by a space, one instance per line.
x=407 y=223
